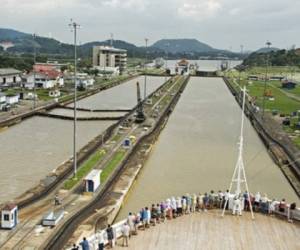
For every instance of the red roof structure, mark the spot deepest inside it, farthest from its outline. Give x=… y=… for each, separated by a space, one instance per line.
x=183 y=62
x=9 y=207
x=50 y=74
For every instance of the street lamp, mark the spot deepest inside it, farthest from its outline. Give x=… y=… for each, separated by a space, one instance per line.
x=266 y=75
x=145 y=79
x=74 y=26
x=34 y=62
x=167 y=45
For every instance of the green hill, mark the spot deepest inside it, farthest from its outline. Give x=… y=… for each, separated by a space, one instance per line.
x=183 y=46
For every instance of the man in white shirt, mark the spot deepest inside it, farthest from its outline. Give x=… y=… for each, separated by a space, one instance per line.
x=130 y=221
x=237 y=206
x=125 y=233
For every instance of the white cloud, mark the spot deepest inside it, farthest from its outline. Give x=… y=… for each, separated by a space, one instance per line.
x=221 y=23
x=135 y=4
x=199 y=9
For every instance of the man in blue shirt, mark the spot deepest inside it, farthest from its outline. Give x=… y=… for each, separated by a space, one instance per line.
x=85 y=244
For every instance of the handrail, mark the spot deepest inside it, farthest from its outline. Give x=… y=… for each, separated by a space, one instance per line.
x=117 y=227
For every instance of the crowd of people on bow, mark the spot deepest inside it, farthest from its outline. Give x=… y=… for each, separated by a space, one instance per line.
x=175 y=207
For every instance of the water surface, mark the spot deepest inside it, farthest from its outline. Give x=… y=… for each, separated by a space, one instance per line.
x=197 y=151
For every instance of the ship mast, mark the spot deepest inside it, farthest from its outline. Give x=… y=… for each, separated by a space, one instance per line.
x=239 y=175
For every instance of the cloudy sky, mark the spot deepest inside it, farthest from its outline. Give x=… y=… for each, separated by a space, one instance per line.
x=221 y=23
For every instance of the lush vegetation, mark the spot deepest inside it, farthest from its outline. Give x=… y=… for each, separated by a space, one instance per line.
x=274 y=58
x=84 y=169
x=173 y=48
x=113 y=163
x=284 y=101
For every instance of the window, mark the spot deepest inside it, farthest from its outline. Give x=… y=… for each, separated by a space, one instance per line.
x=6 y=217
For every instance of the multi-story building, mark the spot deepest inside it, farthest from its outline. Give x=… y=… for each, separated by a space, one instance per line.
x=109 y=59
x=10 y=77
x=49 y=65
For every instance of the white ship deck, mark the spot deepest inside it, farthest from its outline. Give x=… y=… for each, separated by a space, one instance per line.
x=210 y=231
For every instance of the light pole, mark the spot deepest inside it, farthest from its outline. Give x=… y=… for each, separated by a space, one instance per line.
x=266 y=75
x=74 y=26
x=145 y=79
x=167 y=60
x=240 y=69
x=34 y=62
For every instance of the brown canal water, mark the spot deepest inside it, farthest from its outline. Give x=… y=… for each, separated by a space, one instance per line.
x=197 y=151
x=32 y=149
x=122 y=96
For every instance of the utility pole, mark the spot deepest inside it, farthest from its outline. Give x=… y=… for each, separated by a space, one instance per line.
x=266 y=76
x=111 y=39
x=74 y=26
x=145 y=79
x=240 y=69
x=34 y=62
x=167 y=60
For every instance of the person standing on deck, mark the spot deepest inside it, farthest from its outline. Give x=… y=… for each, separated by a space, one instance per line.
x=153 y=214
x=137 y=221
x=257 y=201
x=282 y=206
x=246 y=201
x=144 y=217
x=174 y=207
x=272 y=207
x=170 y=213
x=74 y=247
x=130 y=221
x=110 y=236
x=125 y=234
x=226 y=199
x=99 y=241
x=188 y=203
x=158 y=211
x=199 y=203
x=179 y=206
x=211 y=199
x=148 y=216
x=85 y=244
x=205 y=202
x=237 y=206
x=194 y=203
x=264 y=204
x=163 y=209
x=220 y=199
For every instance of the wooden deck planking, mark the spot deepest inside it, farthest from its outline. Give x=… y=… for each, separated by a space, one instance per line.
x=210 y=231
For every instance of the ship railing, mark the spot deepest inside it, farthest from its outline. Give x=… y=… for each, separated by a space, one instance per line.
x=288 y=214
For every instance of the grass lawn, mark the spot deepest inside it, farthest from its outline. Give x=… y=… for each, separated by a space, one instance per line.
x=116 y=137
x=117 y=158
x=87 y=166
x=133 y=61
x=282 y=103
x=279 y=70
x=295 y=91
x=297 y=141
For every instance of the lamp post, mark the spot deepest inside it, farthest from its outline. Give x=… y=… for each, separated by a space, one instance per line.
x=145 y=79
x=240 y=69
x=266 y=75
x=34 y=75
x=74 y=26
x=166 y=60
